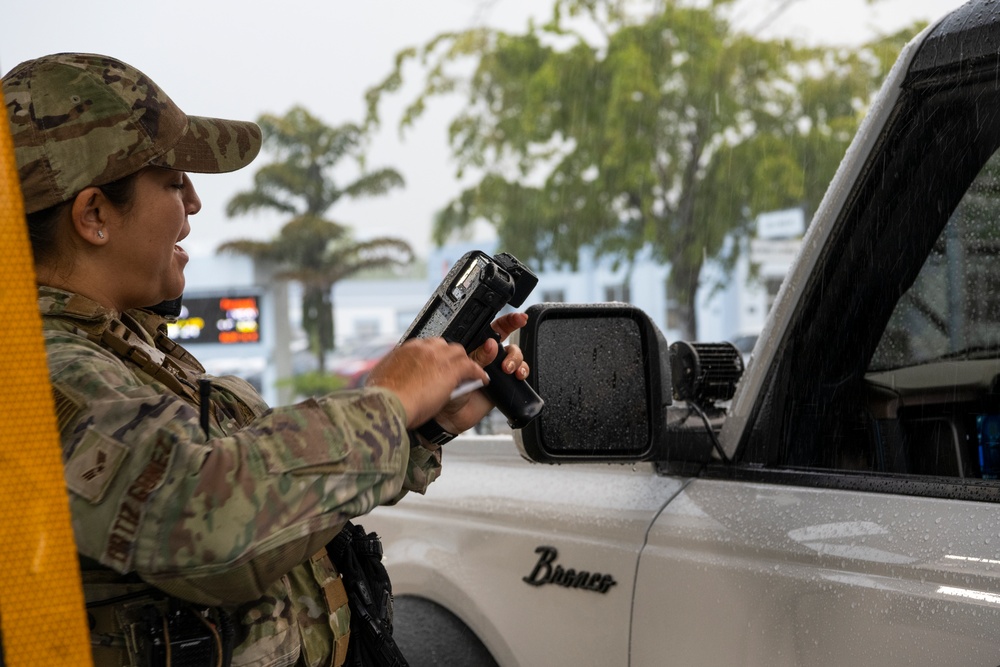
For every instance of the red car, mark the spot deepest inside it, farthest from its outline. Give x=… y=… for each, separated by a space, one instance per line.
x=354 y=367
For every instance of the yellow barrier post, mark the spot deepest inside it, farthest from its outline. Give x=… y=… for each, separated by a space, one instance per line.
x=42 y=613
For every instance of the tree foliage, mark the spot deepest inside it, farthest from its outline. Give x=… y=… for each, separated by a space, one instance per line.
x=622 y=125
x=301 y=183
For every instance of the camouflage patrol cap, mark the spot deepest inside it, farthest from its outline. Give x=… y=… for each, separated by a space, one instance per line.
x=80 y=119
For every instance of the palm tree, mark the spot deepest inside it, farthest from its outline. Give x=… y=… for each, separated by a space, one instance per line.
x=309 y=248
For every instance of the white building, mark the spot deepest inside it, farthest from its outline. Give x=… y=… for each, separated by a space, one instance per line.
x=735 y=306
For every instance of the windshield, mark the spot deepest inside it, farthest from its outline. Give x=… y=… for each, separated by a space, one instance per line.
x=952 y=310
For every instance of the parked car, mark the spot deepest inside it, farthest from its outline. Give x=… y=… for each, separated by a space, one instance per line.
x=840 y=509
x=355 y=365
x=745 y=345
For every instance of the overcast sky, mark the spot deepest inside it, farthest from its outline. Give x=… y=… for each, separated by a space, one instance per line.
x=240 y=59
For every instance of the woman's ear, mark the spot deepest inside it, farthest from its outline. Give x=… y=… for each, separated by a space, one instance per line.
x=90 y=212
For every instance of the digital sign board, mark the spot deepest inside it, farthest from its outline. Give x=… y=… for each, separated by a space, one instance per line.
x=229 y=320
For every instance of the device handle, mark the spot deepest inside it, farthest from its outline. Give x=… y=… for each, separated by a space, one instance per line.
x=515 y=398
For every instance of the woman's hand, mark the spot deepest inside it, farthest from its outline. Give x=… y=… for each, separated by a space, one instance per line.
x=423 y=372
x=466 y=411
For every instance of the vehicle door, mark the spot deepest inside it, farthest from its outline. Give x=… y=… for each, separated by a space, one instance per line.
x=858 y=522
x=541 y=568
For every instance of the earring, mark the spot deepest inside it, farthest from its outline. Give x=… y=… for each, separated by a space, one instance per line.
x=100 y=233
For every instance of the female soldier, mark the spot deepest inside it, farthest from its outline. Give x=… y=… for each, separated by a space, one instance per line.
x=200 y=515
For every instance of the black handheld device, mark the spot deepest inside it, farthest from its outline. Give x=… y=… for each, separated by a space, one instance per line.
x=461 y=309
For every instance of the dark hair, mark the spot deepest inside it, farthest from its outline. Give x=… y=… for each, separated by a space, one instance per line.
x=42 y=224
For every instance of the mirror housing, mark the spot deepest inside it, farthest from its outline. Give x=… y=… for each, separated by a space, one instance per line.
x=604 y=373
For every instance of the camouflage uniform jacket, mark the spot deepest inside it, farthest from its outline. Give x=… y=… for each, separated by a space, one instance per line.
x=231 y=518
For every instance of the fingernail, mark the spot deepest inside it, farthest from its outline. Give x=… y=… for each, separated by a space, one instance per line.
x=508 y=366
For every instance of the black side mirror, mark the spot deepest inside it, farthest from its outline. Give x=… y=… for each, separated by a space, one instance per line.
x=604 y=373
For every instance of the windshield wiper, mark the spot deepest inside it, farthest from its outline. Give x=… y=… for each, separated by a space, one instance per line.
x=970 y=353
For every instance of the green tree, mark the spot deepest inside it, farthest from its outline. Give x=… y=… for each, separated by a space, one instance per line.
x=310 y=249
x=663 y=129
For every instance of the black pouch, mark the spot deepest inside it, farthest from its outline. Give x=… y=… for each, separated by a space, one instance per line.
x=358 y=557
x=170 y=633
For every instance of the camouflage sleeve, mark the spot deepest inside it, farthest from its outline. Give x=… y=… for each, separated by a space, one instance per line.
x=424 y=467
x=217 y=519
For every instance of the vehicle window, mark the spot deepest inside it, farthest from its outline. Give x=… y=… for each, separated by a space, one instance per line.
x=891 y=376
x=952 y=311
x=932 y=382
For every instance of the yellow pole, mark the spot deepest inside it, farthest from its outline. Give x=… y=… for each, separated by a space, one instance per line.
x=42 y=613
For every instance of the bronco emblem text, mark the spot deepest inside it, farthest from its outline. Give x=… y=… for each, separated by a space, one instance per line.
x=546 y=573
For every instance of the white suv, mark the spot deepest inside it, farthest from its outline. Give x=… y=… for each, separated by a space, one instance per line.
x=841 y=509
